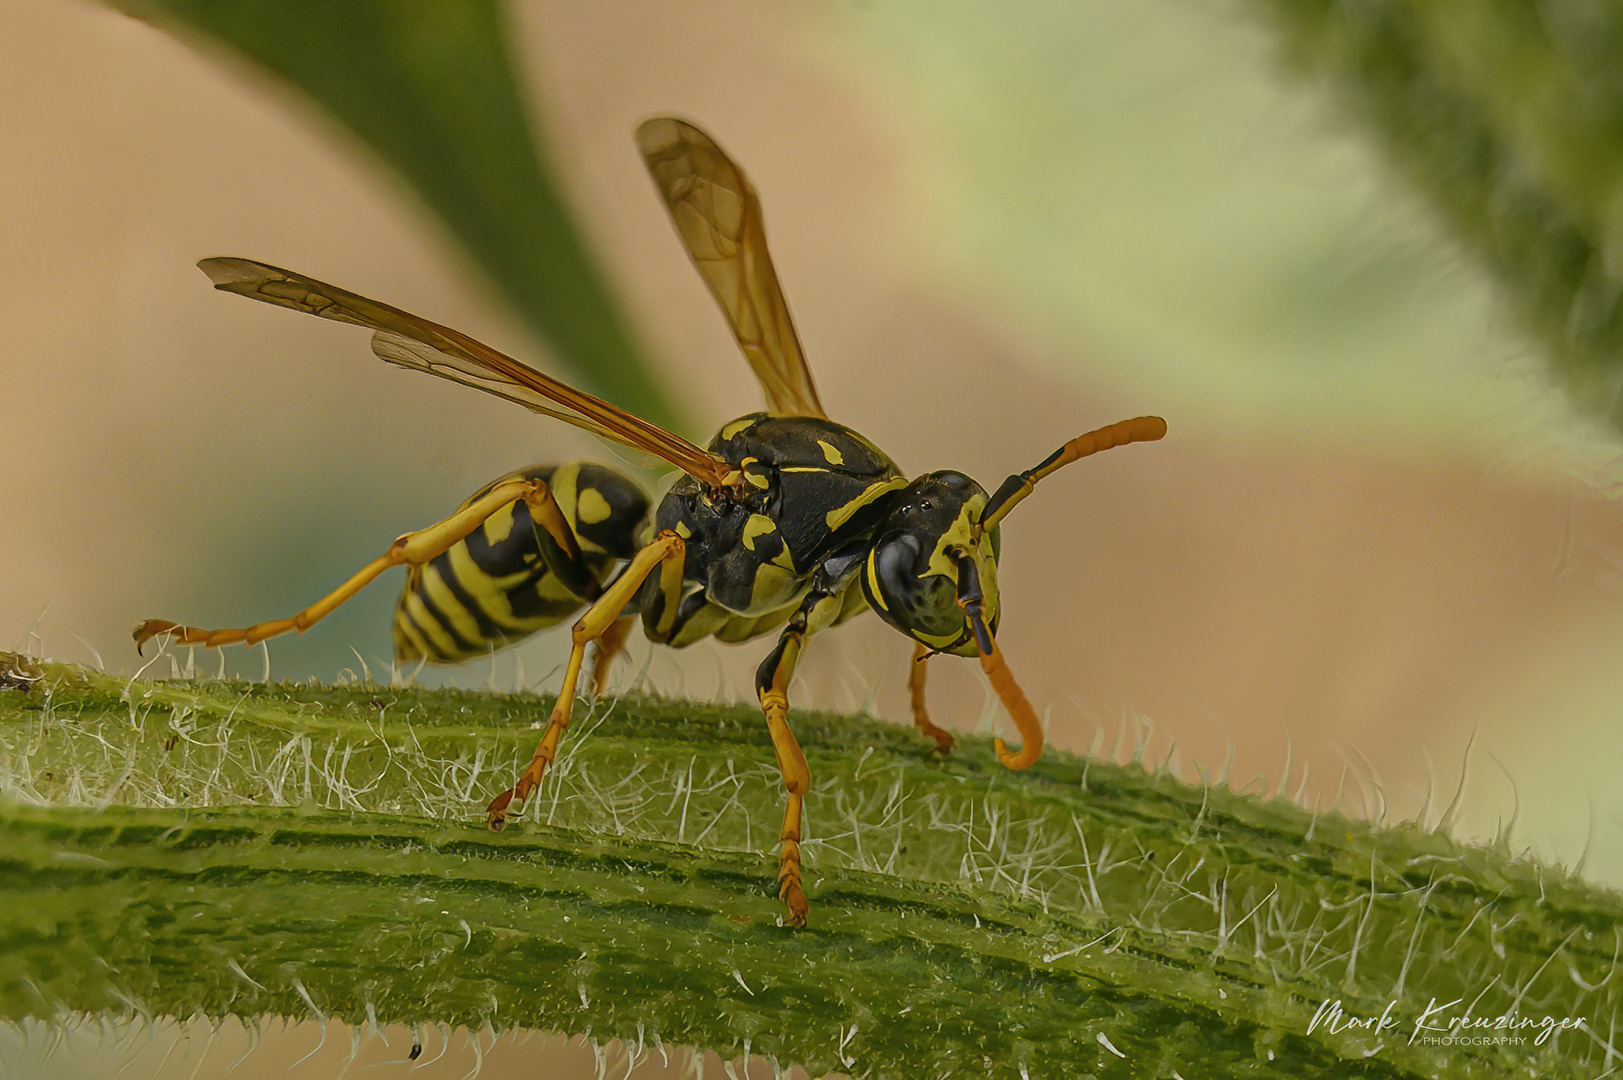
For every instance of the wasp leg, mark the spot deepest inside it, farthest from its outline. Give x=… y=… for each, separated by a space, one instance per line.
x=818 y=610
x=412 y=549
x=998 y=673
x=772 y=684
x=610 y=645
x=1020 y=710
x=915 y=690
x=667 y=552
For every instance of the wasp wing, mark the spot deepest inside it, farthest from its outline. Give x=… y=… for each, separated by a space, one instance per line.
x=406 y=340
x=718 y=217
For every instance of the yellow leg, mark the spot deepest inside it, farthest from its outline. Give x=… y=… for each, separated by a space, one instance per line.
x=915 y=690
x=772 y=684
x=667 y=552
x=610 y=645
x=998 y=673
x=412 y=549
x=789 y=890
x=1020 y=711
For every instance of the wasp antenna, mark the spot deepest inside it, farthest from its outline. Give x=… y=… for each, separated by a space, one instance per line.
x=1018 y=486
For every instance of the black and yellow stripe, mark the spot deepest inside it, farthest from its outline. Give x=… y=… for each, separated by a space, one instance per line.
x=509 y=578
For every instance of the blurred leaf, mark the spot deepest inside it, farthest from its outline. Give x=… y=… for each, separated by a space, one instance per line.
x=1508 y=116
x=431 y=88
x=1136 y=189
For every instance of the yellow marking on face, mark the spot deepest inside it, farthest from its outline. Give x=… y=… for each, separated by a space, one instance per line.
x=875 y=490
x=499 y=526
x=682 y=530
x=737 y=426
x=833 y=456
x=935 y=641
x=961 y=535
x=591 y=507
x=958 y=535
x=873 y=583
x=757 y=525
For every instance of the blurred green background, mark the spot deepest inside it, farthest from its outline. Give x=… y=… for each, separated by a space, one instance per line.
x=1342 y=258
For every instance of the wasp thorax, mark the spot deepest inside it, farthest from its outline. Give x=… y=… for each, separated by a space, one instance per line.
x=912 y=574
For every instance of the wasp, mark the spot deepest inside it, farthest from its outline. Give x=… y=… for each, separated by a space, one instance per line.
x=787 y=523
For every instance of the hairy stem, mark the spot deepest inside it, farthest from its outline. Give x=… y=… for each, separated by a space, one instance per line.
x=250 y=850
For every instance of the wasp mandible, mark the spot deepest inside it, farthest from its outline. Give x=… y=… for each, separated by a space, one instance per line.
x=788 y=522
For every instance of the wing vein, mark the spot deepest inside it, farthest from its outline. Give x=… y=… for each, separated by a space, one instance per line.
x=409 y=341
x=718 y=219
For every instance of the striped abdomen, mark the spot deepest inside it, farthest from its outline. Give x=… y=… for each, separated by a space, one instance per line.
x=498 y=585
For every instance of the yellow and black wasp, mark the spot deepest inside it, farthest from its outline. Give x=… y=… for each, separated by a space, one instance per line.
x=788 y=522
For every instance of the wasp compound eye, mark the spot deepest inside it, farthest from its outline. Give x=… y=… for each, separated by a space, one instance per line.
x=894 y=563
x=901 y=587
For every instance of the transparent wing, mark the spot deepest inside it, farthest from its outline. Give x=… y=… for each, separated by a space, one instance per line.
x=406 y=340
x=718 y=216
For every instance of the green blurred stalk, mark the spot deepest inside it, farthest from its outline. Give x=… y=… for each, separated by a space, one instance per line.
x=430 y=88
x=1508 y=116
x=252 y=850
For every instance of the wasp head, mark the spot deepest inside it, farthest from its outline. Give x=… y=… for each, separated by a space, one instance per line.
x=933 y=570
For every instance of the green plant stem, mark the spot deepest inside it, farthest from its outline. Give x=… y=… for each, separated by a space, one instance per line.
x=174 y=848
